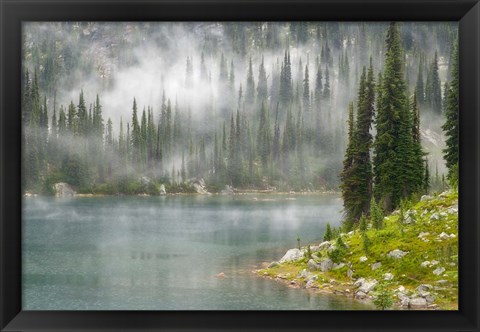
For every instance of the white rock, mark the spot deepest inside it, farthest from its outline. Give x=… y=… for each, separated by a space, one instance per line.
x=363 y=259
x=367 y=286
x=452 y=236
x=438 y=271
x=433 y=263
x=359 y=282
x=324 y=245
x=435 y=216
x=326 y=265
x=397 y=254
x=426 y=198
x=425 y=264
x=401 y=289
x=423 y=234
x=312 y=265
x=338 y=266
x=350 y=273
x=162 y=191
x=292 y=255
x=443 y=236
x=376 y=265
x=417 y=303
x=359 y=295
x=387 y=276
x=303 y=274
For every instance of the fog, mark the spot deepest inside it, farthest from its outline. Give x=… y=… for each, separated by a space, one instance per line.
x=181 y=62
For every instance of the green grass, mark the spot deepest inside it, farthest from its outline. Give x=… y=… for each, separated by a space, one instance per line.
x=407 y=271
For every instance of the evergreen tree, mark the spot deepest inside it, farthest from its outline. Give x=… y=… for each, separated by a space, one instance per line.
x=394 y=160
x=451 y=125
x=327 y=236
x=306 y=91
x=420 y=87
x=262 y=89
x=426 y=178
x=250 y=88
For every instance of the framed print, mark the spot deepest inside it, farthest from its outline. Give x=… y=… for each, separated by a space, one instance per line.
x=245 y=165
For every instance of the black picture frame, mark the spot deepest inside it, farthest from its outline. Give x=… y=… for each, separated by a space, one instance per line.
x=13 y=12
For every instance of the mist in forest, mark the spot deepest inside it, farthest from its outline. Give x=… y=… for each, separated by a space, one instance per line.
x=246 y=104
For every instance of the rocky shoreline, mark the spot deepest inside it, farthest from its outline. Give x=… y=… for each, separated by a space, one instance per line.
x=412 y=259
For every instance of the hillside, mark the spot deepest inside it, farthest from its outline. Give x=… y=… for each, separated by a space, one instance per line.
x=413 y=262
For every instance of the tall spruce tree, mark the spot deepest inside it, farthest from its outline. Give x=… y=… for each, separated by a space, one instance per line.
x=393 y=160
x=451 y=125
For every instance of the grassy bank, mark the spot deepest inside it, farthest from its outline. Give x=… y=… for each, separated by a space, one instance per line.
x=411 y=261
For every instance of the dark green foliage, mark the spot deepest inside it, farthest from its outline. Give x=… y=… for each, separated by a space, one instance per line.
x=376 y=214
x=384 y=297
x=327 y=236
x=451 y=125
x=363 y=224
x=398 y=163
x=366 y=243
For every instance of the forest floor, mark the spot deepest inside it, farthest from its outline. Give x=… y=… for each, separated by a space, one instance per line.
x=414 y=259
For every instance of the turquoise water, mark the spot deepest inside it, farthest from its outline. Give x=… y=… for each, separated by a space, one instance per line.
x=163 y=253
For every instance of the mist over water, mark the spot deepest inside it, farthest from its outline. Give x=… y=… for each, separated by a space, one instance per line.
x=148 y=253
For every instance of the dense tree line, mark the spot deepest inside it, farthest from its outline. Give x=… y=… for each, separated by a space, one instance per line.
x=279 y=124
x=399 y=167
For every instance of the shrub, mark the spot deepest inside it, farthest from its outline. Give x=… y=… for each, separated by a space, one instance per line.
x=384 y=297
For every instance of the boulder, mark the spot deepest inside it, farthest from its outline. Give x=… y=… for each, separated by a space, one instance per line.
x=425 y=264
x=397 y=254
x=324 y=245
x=311 y=284
x=312 y=265
x=63 y=189
x=338 y=266
x=438 y=271
x=423 y=234
x=326 y=265
x=424 y=290
x=417 y=303
x=228 y=190
x=387 y=276
x=199 y=186
x=291 y=255
x=443 y=236
x=350 y=273
x=273 y=264
x=426 y=198
x=359 y=295
x=367 y=286
x=162 y=190
x=430 y=298
x=303 y=274
x=376 y=265
x=359 y=282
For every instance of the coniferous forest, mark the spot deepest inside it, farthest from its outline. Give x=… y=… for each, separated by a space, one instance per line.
x=368 y=109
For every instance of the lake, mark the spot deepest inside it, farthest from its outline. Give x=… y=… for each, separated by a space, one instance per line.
x=163 y=253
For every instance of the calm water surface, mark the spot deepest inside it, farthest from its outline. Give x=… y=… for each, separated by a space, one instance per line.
x=162 y=253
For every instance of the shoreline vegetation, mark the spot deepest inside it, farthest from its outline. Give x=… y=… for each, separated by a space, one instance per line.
x=199 y=187
x=409 y=263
